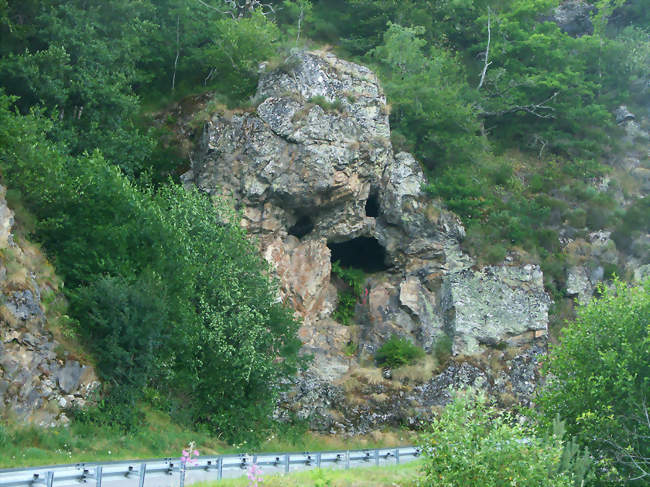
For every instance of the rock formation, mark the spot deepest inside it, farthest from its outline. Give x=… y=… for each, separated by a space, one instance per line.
x=38 y=377
x=314 y=175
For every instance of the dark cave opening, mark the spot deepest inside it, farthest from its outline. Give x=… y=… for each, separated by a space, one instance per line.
x=302 y=227
x=364 y=253
x=372 y=205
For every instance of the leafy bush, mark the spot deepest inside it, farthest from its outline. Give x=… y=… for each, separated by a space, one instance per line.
x=345 y=309
x=429 y=96
x=472 y=443
x=599 y=378
x=397 y=351
x=355 y=279
x=165 y=286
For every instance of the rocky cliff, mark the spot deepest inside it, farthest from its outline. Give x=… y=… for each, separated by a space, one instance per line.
x=313 y=172
x=39 y=377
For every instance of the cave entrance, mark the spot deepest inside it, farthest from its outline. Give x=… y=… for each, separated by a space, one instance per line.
x=364 y=253
x=302 y=227
x=372 y=205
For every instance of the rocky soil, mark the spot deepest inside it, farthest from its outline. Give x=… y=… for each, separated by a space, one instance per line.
x=39 y=378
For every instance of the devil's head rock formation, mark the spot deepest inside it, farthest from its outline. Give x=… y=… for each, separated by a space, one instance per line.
x=313 y=172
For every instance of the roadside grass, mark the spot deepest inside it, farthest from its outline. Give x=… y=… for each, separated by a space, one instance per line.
x=392 y=476
x=159 y=437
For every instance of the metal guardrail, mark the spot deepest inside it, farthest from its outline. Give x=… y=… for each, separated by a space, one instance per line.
x=155 y=472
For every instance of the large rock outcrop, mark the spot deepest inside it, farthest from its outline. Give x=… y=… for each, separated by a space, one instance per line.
x=314 y=175
x=38 y=377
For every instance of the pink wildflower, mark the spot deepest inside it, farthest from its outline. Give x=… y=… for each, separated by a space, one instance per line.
x=254 y=476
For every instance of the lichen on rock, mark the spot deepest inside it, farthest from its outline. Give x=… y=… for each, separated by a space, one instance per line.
x=313 y=172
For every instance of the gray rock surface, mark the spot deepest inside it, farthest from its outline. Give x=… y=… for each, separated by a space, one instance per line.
x=496 y=305
x=37 y=380
x=574 y=17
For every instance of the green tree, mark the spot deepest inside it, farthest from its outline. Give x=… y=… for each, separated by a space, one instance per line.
x=165 y=286
x=599 y=379
x=472 y=443
x=430 y=99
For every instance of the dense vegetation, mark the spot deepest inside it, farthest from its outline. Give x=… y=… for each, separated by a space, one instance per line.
x=474 y=444
x=600 y=378
x=167 y=291
x=513 y=133
x=168 y=295
x=510 y=116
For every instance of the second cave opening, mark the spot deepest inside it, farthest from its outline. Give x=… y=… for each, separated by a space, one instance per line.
x=364 y=253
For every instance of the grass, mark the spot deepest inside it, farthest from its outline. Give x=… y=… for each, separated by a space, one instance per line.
x=393 y=476
x=159 y=437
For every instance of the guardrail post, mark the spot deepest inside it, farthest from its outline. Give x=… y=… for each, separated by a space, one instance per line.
x=286 y=463
x=143 y=471
x=182 y=472
x=377 y=457
x=220 y=468
x=397 y=456
x=98 y=477
x=347 y=459
x=50 y=479
x=318 y=458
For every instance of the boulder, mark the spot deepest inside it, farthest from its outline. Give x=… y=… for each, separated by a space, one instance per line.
x=494 y=306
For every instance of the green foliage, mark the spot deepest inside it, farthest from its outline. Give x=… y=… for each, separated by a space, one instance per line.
x=345 y=309
x=351 y=349
x=442 y=349
x=123 y=325
x=398 y=351
x=355 y=280
x=472 y=443
x=83 y=76
x=328 y=106
x=430 y=99
x=634 y=222
x=575 y=460
x=600 y=376
x=166 y=288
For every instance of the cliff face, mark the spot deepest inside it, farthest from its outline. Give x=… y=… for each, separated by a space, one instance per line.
x=314 y=174
x=38 y=377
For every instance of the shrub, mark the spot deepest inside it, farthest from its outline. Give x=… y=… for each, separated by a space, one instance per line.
x=397 y=352
x=355 y=279
x=495 y=254
x=442 y=349
x=345 y=309
x=600 y=377
x=473 y=444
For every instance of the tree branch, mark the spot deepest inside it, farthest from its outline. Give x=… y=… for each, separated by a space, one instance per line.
x=540 y=110
x=178 y=49
x=487 y=53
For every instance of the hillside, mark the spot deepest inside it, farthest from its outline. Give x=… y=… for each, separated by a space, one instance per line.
x=266 y=216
